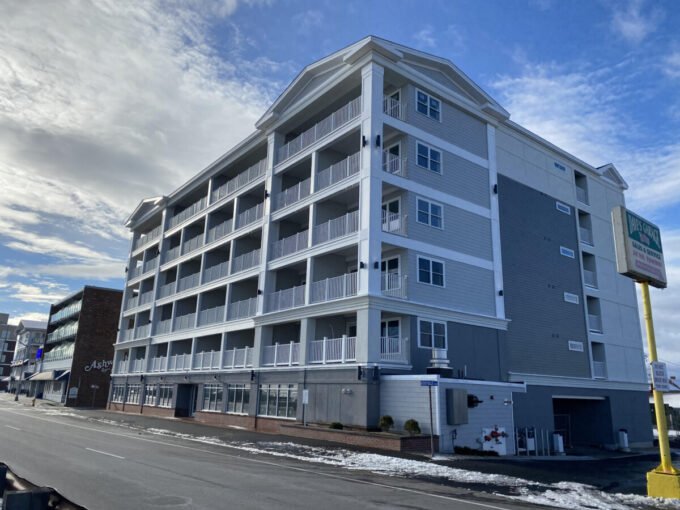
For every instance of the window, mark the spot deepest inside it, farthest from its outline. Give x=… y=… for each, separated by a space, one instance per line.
x=238 y=397
x=118 y=393
x=430 y=271
x=212 y=397
x=150 y=394
x=428 y=105
x=165 y=395
x=563 y=207
x=429 y=213
x=278 y=400
x=429 y=158
x=432 y=334
x=567 y=252
x=133 y=394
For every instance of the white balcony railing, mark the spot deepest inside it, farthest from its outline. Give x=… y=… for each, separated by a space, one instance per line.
x=137 y=365
x=394 y=165
x=334 y=121
x=216 y=272
x=238 y=358
x=179 y=362
x=293 y=194
x=132 y=302
x=184 y=322
x=333 y=350
x=338 y=172
x=143 y=331
x=281 y=354
x=189 y=282
x=590 y=278
x=242 y=309
x=393 y=285
x=163 y=327
x=122 y=367
x=211 y=316
x=127 y=334
x=135 y=272
x=150 y=265
x=246 y=261
x=337 y=287
x=286 y=299
x=290 y=245
x=394 y=349
x=250 y=216
x=67 y=311
x=65 y=331
x=599 y=370
x=192 y=244
x=586 y=235
x=151 y=235
x=393 y=107
x=394 y=223
x=240 y=181
x=594 y=323
x=335 y=228
x=187 y=213
x=208 y=360
x=166 y=290
x=159 y=364
x=172 y=254
x=581 y=195
x=219 y=231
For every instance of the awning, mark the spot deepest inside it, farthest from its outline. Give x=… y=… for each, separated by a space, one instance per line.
x=62 y=376
x=43 y=376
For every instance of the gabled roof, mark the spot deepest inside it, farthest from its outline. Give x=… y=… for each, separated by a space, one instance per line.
x=610 y=173
x=143 y=208
x=323 y=70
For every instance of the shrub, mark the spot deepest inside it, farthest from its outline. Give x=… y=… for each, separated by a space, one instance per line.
x=336 y=425
x=412 y=427
x=386 y=423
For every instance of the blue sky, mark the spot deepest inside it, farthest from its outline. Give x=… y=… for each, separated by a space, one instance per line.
x=109 y=102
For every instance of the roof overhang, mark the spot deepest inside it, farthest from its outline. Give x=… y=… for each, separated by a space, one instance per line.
x=144 y=207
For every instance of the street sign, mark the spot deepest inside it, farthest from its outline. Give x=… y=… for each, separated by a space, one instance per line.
x=660 y=376
x=305 y=396
x=429 y=383
x=639 y=254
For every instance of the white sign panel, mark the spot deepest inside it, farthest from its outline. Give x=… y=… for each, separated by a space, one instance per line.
x=305 y=396
x=660 y=376
x=639 y=254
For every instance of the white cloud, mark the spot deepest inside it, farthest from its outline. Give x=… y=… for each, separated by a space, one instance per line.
x=634 y=25
x=671 y=64
x=307 y=21
x=424 y=38
x=31 y=316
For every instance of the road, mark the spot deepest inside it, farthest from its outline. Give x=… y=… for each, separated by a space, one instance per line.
x=102 y=466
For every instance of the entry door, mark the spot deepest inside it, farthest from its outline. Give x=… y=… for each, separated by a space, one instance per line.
x=390 y=337
x=392 y=157
x=186 y=400
x=389 y=270
x=390 y=215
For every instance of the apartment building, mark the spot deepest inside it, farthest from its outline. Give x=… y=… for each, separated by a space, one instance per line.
x=77 y=354
x=386 y=223
x=8 y=337
x=30 y=336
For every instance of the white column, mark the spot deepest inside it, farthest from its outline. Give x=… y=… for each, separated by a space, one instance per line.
x=265 y=281
x=495 y=223
x=368 y=335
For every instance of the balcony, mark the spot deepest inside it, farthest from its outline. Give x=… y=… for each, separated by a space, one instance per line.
x=394 y=349
x=190 y=211
x=134 y=272
x=159 y=364
x=127 y=334
x=393 y=107
x=336 y=228
x=211 y=316
x=238 y=358
x=582 y=195
x=281 y=354
x=66 y=312
x=337 y=287
x=286 y=299
x=163 y=327
x=143 y=331
x=216 y=272
x=122 y=367
x=192 y=244
x=140 y=300
x=590 y=278
x=136 y=366
x=289 y=245
x=250 y=216
x=172 y=254
x=326 y=126
x=586 y=235
x=394 y=165
x=338 y=172
x=393 y=285
x=150 y=265
x=219 y=231
x=240 y=181
x=208 y=360
x=167 y=290
x=184 y=322
x=594 y=323
x=150 y=236
x=242 y=309
x=179 y=362
x=189 y=282
x=246 y=261
x=293 y=194
x=599 y=370
x=394 y=223
x=65 y=331
x=333 y=350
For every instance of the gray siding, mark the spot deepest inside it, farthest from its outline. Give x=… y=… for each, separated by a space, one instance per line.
x=536 y=278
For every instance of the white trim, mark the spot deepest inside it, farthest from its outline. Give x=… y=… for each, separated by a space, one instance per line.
x=576 y=382
x=431 y=260
x=390 y=319
x=444 y=380
x=429 y=212
x=430 y=150
x=429 y=97
x=437 y=251
x=433 y=322
x=391 y=257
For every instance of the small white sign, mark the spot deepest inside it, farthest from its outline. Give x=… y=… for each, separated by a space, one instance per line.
x=660 y=376
x=73 y=392
x=305 y=397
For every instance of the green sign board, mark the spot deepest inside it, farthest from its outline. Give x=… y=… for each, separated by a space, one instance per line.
x=639 y=253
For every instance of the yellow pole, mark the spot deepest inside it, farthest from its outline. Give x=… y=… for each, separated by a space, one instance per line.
x=659 y=411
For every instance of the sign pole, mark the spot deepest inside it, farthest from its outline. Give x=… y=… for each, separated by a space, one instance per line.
x=659 y=410
x=429 y=390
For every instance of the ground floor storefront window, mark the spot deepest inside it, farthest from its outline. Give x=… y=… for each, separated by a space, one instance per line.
x=150 y=394
x=118 y=393
x=238 y=398
x=133 y=394
x=165 y=395
x=212 y=397
x=278 y=400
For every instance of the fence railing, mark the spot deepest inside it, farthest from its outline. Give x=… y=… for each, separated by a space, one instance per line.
x=281 y=354
x=394 y=108
x=250 y=216
x=337 y=287
x=238 y=358
x=188 y=282
x=163 y=326
x=242 y=309
x=246 y=261
x=150 y=265
x=179 y=362
x=151 y=235
x=127 y=334
x=135 y=272
x=211 y=316
x=122 y=367
x=71 y=309
x=335 y=228
x=594 y=323
x=220 y=231
x=586 y=235
x=192 y=244
x=333 y=350
x=172 y=254
x=159 y=364
x=167 y=290
x=590 y=278
x=338 y=172
x=240 y=181
x=394 y=165
x=187 y=213
x=334 y=121
x=137 y=365
x=65 y=331
x=394 y=223
x=207 y=360
x=286 y=299
x=599 y=370
x=143 y=331
x=184 y=322
x=216 y=272
x=293 y=194
x=394 y=349
x=289 y=245
x=393 y=285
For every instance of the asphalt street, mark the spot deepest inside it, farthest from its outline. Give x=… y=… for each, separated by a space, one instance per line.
x=103 y=466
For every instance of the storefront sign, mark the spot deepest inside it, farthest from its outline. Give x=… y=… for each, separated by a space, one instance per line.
x=102 y=366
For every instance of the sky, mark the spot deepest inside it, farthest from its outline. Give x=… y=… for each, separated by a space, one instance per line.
x=108 y=102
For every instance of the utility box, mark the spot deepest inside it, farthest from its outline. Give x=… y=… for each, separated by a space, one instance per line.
x=456 y=407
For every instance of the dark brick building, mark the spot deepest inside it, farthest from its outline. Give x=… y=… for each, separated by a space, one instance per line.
x=78 y=352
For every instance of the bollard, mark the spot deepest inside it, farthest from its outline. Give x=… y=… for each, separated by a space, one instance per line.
x=623 y=440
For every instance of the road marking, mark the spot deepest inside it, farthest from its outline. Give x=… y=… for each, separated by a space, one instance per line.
x=105 y=453
x=270 y=463
x=13 y=428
